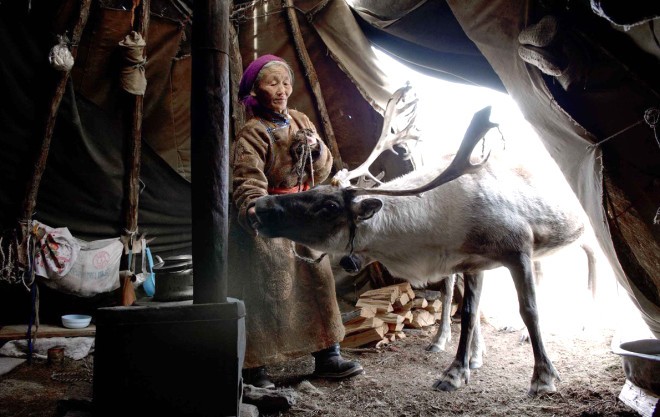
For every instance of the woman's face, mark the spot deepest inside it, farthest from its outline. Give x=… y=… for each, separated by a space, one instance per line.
x=274 y=88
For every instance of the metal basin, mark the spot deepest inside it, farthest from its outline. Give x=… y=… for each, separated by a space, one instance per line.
x=641 y=363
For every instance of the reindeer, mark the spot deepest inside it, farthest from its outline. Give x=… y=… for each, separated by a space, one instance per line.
x=470 y=218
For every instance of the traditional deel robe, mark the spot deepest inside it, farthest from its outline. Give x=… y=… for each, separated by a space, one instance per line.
x=291 y=305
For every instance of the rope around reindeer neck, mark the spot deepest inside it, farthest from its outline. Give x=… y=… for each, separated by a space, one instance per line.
x=304 y=258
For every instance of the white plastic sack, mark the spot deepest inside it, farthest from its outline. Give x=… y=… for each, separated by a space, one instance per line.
x=95 y=271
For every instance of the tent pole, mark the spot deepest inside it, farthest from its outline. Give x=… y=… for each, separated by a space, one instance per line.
x=236 y=70
x=40 y=164
x=313 y=80
x=132 y=184
x=210 y=149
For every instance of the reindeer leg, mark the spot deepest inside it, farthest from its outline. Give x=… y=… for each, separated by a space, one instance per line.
x=443 y=334
x=544 y=371
x=538 y=279
x=477 y=347
x=458 y=372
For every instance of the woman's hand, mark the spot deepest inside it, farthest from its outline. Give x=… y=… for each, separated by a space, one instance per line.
x=253 y=219
x=311 y=139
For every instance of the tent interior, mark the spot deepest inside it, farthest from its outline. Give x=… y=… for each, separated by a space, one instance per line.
x=585 y=77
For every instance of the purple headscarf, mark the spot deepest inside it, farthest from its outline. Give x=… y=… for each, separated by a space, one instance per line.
x=249 y=77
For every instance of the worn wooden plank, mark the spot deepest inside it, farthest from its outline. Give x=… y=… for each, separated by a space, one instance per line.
x=19 y=331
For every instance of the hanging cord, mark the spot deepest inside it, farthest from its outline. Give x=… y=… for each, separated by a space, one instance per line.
x=33 y=321
x=651 y=117
x=28 y=276
x=34 y=292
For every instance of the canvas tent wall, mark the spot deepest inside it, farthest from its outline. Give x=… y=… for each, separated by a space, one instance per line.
x=615 y=53
x=473 y=42
x=82 y=186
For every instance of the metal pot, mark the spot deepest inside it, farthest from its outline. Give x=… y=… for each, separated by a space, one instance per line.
x=174 y=279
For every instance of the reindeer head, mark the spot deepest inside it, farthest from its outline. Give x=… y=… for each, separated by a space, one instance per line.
x=323 y=218
x=326 y=217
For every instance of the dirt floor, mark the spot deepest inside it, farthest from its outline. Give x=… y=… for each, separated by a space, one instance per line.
x=397 y=381
x=398 y=378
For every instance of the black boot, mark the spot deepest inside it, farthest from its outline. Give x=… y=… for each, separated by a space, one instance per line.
x=257 y=377
x=328 y=363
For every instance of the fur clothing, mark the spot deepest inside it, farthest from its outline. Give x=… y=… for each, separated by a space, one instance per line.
x=291 y=305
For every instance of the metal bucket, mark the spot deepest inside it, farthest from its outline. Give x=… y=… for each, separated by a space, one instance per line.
x=174 y=279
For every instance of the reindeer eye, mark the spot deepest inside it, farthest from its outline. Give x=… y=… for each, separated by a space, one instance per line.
x=330 y=208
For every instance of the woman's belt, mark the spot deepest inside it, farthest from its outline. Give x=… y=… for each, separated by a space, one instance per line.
x=292 y=190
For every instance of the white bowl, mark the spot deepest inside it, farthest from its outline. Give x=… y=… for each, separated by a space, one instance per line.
x=76 y=321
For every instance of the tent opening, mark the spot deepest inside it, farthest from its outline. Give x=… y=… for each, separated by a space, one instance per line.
x=565 y=302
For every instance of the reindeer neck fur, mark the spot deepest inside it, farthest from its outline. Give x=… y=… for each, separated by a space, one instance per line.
x=435 y=234
x=417 y=237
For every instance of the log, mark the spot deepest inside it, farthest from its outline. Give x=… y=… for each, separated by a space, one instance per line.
x=390 y=293
x=390 y=317
x=362 y=312
x=406 y=313
x=405 y=287
x=395 y=327
x=379 y=305
x=422 y=318
x=362 y=325
x=419 y=303
x=373 y=334
x=402 y=300
x=434 y=306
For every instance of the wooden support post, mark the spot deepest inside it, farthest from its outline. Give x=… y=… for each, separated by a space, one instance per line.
x=40 y=164
x=132 y=179
x=313 y=80
x=235 y=73
x=210 y=149
x=134 y=152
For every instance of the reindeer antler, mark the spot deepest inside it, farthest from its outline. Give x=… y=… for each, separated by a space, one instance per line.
x=479 y=126
x=398 y=127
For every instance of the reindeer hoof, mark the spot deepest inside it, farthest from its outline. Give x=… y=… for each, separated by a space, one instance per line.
x=452 y=379
x=476 y=363
x=543 y=382
x=434 y=348
x=540 y=389
x=442 y=385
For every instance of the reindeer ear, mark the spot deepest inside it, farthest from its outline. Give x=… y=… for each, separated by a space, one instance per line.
x=367 y=208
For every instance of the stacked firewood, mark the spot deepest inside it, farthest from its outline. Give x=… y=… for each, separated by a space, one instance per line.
x=382 y=314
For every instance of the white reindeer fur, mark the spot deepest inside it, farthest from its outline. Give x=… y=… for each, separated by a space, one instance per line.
x=420 y=238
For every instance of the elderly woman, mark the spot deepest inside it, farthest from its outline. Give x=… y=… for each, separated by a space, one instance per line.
x=289 y=296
